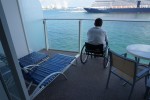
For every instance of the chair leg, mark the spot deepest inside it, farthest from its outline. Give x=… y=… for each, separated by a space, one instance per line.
x=137 y=59
x=108 y=78
x=64 y=76
x=148 y=97
x=146 y=92
x=131 y=91
x=104 y=62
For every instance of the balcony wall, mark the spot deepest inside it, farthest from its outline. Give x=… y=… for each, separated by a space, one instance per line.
x=13 y=18
x=25 y=21
x=32 y=17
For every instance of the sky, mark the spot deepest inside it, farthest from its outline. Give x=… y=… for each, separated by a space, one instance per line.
x=74 y=3
x=70 y=3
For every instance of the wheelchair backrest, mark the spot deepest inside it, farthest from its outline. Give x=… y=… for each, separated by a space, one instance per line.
x=94 y=48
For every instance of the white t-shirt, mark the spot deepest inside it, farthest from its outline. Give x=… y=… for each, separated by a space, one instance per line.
x=96 y=36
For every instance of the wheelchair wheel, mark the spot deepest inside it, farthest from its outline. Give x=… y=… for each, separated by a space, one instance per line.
x=83 y=55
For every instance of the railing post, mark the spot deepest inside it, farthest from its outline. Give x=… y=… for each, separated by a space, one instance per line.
x=46 y=35
x=80 y=22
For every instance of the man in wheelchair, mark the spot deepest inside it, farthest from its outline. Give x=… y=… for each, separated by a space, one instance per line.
x=96 y=35
x=97 y=42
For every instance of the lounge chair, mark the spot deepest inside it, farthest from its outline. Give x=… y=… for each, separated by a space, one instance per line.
x=41 y=70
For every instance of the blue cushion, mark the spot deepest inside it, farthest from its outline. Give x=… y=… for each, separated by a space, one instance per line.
x=32 y=58
x=55 y=64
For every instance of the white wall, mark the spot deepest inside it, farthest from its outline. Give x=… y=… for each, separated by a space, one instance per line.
x=15 y=26
x=32 y=16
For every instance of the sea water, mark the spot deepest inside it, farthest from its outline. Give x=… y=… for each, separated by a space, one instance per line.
x=64 y=34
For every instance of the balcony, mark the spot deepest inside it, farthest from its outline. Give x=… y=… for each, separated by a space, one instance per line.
x=84 y=81
x=88 y=81
x=70 y=34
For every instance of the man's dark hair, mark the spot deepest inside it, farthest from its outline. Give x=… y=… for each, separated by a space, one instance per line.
x=98 y=22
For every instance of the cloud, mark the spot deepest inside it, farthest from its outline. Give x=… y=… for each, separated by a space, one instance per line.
x=54 y=3
x=70 y=3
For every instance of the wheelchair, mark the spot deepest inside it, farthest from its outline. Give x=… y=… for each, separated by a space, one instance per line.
x=94 y=51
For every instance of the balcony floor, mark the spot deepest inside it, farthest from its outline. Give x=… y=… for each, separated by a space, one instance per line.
x=88 y=82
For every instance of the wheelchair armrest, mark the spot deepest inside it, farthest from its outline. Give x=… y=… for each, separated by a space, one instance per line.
x=106 y=48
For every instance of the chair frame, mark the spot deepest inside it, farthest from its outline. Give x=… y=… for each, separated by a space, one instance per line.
x=39 y=87
x=136 y=76
x=147 y=92
x=94 y=51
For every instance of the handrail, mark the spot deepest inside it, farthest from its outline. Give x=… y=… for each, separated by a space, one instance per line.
x=79 y=31
x=118 y=20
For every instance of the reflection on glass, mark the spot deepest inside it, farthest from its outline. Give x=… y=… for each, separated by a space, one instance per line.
x=7 y=76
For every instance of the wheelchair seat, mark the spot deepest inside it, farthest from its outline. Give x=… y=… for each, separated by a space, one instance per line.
x=93 y=50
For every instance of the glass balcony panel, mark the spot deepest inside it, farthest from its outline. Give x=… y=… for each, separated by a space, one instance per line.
x=121 y=34
x=7 y=77
x=63 y=34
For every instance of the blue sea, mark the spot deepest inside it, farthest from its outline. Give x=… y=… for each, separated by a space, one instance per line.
x=64 y=34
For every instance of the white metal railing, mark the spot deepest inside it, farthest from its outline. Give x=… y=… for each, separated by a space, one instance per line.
x=79 y=49
x=79 y=31
x=46 y=35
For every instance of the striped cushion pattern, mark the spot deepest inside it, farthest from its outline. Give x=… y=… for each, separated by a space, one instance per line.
x=32 y=58
x=55 y=64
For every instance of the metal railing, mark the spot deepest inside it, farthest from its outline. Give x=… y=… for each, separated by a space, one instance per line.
x=79 y=32
x=80 y=28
